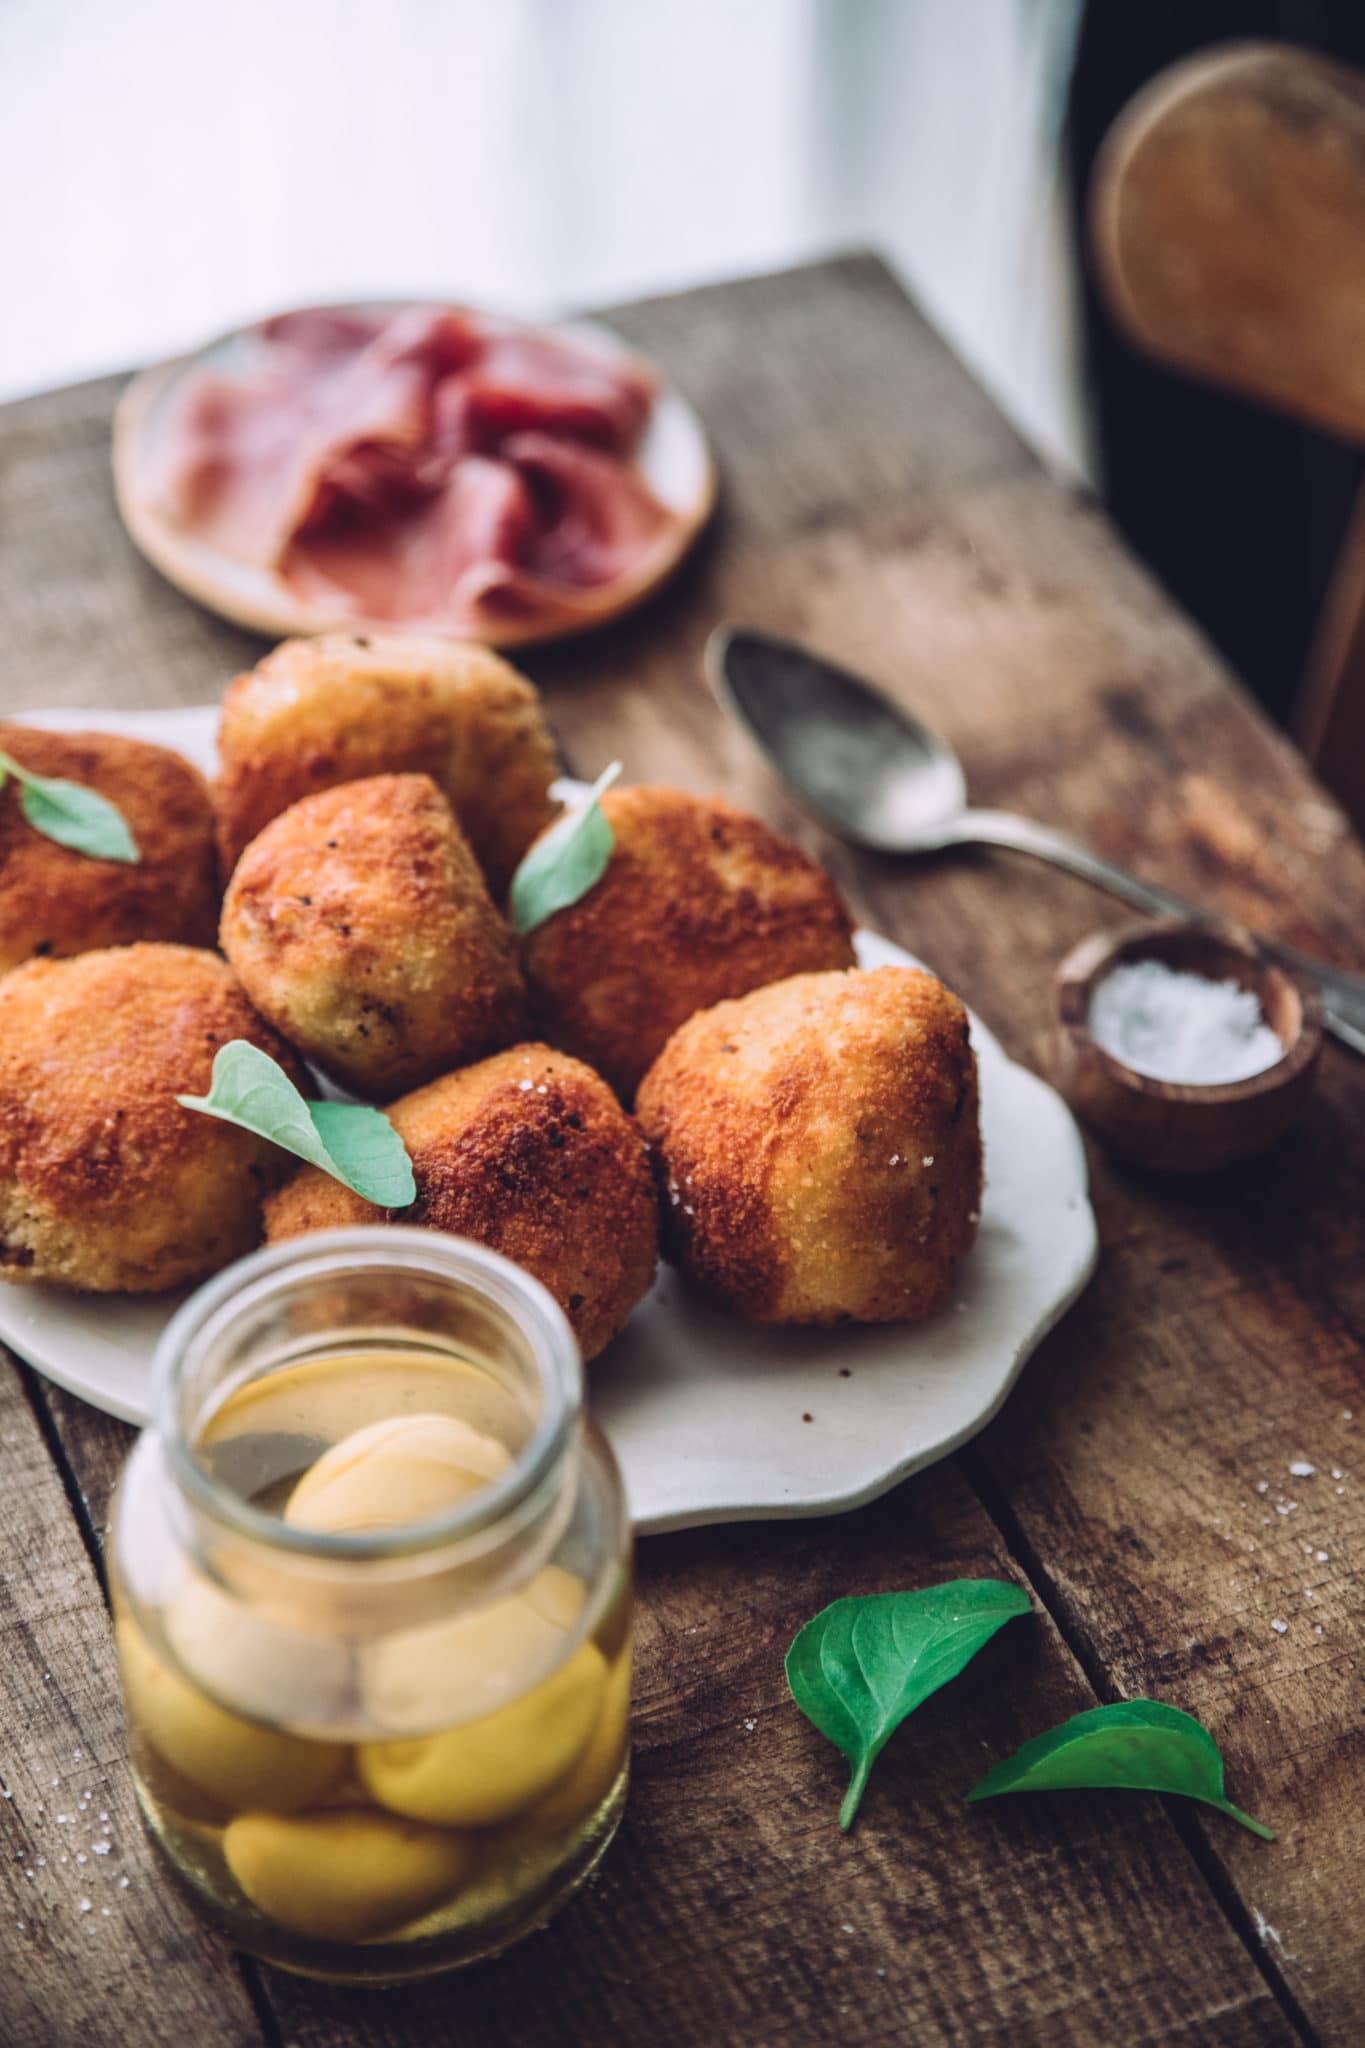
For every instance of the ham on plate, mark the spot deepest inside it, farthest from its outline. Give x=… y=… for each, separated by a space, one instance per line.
x=423 y=466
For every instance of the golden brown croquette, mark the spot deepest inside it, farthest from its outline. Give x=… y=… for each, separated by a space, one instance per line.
x=698 y=901
x=531 y=1154
x=315 y=713
x=818 y=1148
x=360 y=926
x=106 y=1183
x=54 y=902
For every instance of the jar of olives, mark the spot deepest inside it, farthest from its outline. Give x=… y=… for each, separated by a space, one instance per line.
x=371 y=1581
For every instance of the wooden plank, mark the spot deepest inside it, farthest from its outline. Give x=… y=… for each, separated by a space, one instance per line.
x=733 y=1910
x=826 y=395
x=97 y=1946
x=92 y=623
x=95 y=1447
x=1223 y=1340
x=675 y=1943
x=873 y=504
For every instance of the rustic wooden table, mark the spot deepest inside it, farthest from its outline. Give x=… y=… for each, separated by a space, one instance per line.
x=1139 y=1481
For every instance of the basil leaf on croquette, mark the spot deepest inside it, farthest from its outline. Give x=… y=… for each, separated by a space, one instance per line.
x=72 y=814
x=565 y=862
x=354 y=1144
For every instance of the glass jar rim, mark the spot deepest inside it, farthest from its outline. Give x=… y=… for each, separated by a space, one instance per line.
x=379 y=1247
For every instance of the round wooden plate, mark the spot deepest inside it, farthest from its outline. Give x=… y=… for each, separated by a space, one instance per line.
x=673 y=458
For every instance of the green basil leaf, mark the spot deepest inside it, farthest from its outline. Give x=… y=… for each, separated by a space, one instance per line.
x=367 y=1150
x=357 y=1146
x=75 y=816
x=1139 y=1744
x=565 y=862
x=863 y=1663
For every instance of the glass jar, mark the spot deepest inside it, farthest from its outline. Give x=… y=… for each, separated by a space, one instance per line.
x=371 y=1580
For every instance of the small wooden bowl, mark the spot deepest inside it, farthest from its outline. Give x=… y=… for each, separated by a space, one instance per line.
x=1172 y=1126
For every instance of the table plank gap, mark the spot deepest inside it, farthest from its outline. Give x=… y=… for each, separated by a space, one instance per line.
x=659 y=1847
x=38 y=1395
x=1189 y=1824
x=97 y=1946
x=91 y=1517
x=732 y=1908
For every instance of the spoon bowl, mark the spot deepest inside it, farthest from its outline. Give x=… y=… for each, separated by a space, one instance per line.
x=877 y=776
x=866 y=768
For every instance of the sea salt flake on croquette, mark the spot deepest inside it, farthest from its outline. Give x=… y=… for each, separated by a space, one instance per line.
x=558 y=1181
x=802 y=1222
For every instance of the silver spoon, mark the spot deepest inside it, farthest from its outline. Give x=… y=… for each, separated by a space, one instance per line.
x=876 y=776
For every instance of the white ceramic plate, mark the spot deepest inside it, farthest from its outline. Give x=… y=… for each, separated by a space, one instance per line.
x=706 y=1415
x=673 y=457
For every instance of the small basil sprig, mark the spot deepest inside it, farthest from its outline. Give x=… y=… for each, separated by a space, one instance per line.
x=357 y=1146
x=565 y=862
x=1139 y=1744
x=71 y=814
x=865 y=1662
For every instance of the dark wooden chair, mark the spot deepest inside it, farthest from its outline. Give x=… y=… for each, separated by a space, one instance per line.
x=1227 y=216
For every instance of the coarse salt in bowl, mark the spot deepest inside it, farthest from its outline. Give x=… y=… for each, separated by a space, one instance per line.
x=1181 y=1047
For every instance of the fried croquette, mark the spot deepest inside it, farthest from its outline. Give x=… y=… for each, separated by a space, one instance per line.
x=359 y=925
x=54 y=902
x=818 y=1148
x=531 y=1154
x=698 y=901
x=106 y=1183
x=315 y=713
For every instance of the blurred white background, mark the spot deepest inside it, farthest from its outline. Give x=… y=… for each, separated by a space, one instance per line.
x=172 y=167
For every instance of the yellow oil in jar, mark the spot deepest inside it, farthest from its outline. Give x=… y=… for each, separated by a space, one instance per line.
x=379 y=1792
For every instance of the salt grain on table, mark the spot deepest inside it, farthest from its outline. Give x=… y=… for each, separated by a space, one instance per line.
x=1174 y=1026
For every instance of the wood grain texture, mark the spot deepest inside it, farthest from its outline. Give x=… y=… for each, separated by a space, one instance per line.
x=733 y=1909
x=96 y=1947
x=874 y=504
x=728 y=1909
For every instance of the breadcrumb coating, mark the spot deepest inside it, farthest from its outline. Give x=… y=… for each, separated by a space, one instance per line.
x=360 y=927
x=318 y=712
x=54 y=902
x=818 y=1148
x=699 y=901
x=106 y=1183
x=530 y=1154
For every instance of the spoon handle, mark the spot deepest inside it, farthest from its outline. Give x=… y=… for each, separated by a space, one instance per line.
x=1343 y=993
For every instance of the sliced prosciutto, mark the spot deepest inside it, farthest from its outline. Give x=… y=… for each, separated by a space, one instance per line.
x=544 y=525
x=424 y=466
